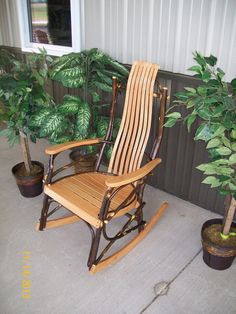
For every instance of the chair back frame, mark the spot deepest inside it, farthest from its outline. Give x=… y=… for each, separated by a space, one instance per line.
x=126 y=158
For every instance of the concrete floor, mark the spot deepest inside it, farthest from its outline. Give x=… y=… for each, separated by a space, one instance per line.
x=163 y=274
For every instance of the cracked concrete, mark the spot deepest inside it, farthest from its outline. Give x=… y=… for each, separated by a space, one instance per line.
x=163 y=274
x=162 y=288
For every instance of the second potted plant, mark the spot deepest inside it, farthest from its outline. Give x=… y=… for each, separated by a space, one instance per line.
x=213 y=104
x=80 y=117
x=22 y=95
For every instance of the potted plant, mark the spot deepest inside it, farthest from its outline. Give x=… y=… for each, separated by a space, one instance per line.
x=22 y=94
x=80 y=117
x=213 y=105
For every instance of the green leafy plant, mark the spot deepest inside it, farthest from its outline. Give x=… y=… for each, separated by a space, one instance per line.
x=213 y=103
x=22 y=94
x=79 y=117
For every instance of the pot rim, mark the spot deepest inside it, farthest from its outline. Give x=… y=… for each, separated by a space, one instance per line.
x=17 y=166
x=210 y=222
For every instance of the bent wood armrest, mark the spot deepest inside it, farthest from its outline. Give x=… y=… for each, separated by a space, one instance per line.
x=55 y=149
x=127 y=178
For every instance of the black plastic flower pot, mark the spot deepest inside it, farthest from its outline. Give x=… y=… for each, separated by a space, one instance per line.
x=29 y=185
x=215 y=256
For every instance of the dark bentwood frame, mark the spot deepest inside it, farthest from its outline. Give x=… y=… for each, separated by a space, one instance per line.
x=105 y=215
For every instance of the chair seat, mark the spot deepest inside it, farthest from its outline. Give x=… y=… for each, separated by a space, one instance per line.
x=83 y=194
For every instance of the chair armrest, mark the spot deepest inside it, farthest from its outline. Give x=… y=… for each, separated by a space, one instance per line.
x=55 y=149
x=127 y=178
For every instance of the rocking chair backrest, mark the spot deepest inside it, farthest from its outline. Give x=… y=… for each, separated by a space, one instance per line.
x=135 y=125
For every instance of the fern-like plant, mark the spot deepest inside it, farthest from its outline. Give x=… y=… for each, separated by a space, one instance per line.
x=79 y=117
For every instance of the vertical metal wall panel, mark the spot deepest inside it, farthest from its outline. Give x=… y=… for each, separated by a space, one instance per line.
x=163 y=31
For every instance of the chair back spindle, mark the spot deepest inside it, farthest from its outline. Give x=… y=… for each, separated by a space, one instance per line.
x=135 y=125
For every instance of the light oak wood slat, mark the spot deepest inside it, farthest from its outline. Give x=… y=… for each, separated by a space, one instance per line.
x=86 y=183
x=83 y=185
x=130 y=144
x=112 y=160
x=133 y=164
x=89 y=196
x=86 y=195
x=133 y=176
x=55 y=149
x=142 y=123
x=131 y=115
x=60 y=222
x=143 y=146
x=146 y=124
x=69 y=200
x=131 y=131
x=120 y=196
x=128 y=247
x=97 y=178
x=94 y=180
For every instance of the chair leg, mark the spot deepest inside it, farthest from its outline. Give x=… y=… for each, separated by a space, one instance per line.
x=139 y=220
x=43 y=218
x=130 y=245
x=94 y=248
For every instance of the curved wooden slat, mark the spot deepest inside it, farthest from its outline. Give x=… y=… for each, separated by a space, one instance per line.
x=147 y=119
x=128 y=92
x=128 y=247
x=54 y=223
x=129 y=132
x=136 y=120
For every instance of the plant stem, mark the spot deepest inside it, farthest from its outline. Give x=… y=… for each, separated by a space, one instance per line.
x=25 y=151
x=229 y=216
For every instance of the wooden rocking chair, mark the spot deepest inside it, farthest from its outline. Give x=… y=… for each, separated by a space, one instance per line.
x=98 y=198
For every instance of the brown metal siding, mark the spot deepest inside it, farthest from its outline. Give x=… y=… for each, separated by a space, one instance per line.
x=181 y=154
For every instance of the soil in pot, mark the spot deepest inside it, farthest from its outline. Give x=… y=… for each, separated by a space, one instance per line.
x=29 y=184
x=212 y=233
x=218 y=253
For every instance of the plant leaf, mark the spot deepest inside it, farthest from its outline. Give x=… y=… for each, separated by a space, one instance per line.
x=212 y=180
x=175 y=115
x=39 y=118
x=224 y=151
x=170 y=122
x=211 y=60
x=102 y=127
x=215 y=142
x=83 y=118
x=232 y=159
x=103 y=86
x=54 y=122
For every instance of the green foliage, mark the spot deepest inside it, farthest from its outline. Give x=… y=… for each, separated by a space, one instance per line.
x=91 y=71
x=22 y=93
x=214 y=104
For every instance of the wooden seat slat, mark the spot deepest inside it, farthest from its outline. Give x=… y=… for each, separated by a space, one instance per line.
x=81 y=195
